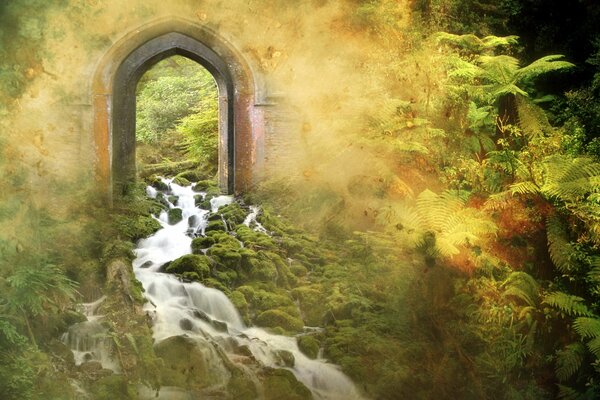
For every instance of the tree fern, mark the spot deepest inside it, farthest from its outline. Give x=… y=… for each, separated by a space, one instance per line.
x=569 y=360
x=475 y=44
x=542 y=66
x=568 y=304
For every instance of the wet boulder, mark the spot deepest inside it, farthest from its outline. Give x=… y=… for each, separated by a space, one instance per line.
x=282 y=384
x=279 y=318
x=175 y=215
x=309 y=346
x=190 y=363
x=190 y=266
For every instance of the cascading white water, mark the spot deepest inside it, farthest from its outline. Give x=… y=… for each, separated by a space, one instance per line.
x=88 y=340
x=207 y=314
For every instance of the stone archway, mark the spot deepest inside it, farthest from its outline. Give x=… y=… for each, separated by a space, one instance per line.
x=114 y=101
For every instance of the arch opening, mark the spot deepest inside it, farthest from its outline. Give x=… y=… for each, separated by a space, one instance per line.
x=114 y=103
x=124 y=102
x=177 y=120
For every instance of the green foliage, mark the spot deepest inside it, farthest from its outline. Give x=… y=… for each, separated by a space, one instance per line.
x=568 y=304
x=568 y=360
x=444 y=217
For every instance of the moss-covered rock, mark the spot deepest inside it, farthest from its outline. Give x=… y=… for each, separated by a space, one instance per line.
x=113 y=387
x=263 y=300
x=233 y=213
x=279 y=318
x=175 y=215
x=309 y=346
x=157 y=183
x=136 y=227
x=181 y=181
x=190 y=264
x=282 y=384
x=117 y=249
x=226 y=255
x=202 y=243
x=204 y=185
x=312 y=303
x=286 y=358
x=190 y=363
x=254 y=240
x=215 y=226
x=173 y=199
x=240 y=303
x=241 y=386
x=192 y=175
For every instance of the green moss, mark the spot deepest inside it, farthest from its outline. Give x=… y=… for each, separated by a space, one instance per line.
x=175 y=215
x=192 y=175
x=279 y=318
x=263 y=300
x=239 y=301
x=241 y=385
x=113 y=386
x=309 y=346
x=193 y=263
x=282 y=384
x=117 y=249
x=226 y=255
x=213 y=283
x=312 y=303
x=254 y=240
x=201 y=243
x=173 y=199
x=215 y=226
x=155 y=182
x=181 y=181
x=203 y=186
x=298 y=269
x=136 y=227
x=233 y=213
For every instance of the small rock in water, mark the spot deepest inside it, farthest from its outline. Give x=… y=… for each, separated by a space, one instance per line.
x=175 y=215
x=186 y=324
x=147 y=264
x=244 y=350
x=201 y=315
x=286 y=358
x=220 y=326
x=90 y=367
x=193 y=220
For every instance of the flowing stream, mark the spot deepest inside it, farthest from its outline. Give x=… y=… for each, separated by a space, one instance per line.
x=206 y=314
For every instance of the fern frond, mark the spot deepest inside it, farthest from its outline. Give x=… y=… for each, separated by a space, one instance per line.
x=558 y=245
x=568 y=304
x=527 y=187
x=522 y=286
x=567 y=393
x=569 y=179
x=587 y=327
x=594 y=346
x=543 y=65
x=569 y=360
x=532 y=119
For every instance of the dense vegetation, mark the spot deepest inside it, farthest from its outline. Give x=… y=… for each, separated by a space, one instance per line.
x=177 y=116
x=475 y=273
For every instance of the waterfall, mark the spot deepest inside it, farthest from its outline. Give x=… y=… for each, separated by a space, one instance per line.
x=206 y=314
x=89 y=340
